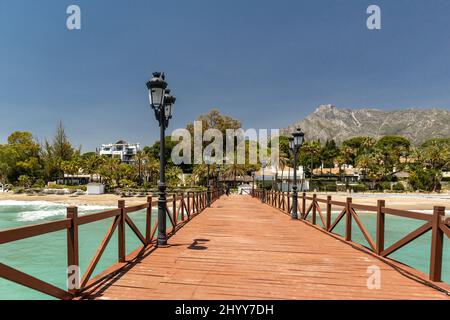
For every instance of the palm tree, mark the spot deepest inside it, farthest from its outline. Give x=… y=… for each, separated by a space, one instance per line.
x=311 y=149
x=200 y=172
x=140 y=159
x=92 y=163
x=233 y=170
x=110 y=170
x=151 y=169
x=364 y=161
x=436 y=156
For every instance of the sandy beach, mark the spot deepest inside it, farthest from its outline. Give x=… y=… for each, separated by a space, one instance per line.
x=100 y=200
x=399 y=201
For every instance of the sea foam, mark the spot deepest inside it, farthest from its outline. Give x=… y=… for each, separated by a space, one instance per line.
x=40 y=210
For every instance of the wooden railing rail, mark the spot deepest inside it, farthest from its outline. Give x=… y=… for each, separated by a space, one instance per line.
x=180 y=209
x=436 y=223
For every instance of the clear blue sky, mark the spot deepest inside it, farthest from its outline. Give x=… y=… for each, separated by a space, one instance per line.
x=267 y=63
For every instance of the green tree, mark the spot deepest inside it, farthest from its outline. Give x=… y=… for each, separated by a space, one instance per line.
x=173 y=174
x=25 y=181
x=91 y=163
x=435 y=156
x=391 y=148
x=309 y=155
x=139 y=162
x=56 y=154
x=328 y=153
x=24 y=157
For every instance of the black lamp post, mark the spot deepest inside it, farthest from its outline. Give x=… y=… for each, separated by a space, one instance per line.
x=295 y=143
x=263 y=165
x=161 y=102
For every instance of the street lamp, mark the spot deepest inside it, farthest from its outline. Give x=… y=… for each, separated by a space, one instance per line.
x=161 y=102
x=295 y=143
x=263 y=165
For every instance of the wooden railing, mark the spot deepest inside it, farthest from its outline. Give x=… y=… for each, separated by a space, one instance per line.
x=180 y=209
x=437 y=223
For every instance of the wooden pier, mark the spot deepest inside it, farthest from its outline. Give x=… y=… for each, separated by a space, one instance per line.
x=240 y=248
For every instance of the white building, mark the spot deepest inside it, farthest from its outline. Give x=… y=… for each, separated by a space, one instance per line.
x=121 y=150
x=95 y=188
x=284 y=178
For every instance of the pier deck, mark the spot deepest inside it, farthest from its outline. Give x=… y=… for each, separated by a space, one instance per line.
x=242 y=249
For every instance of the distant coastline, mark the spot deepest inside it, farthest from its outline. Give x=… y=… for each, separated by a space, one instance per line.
x=403 y=201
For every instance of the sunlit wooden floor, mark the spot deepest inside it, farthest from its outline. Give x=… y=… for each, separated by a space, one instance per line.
x=242 y=249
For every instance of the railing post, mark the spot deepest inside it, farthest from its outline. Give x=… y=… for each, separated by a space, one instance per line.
x=73 y=271
x=288 y=202
x=437 y=242
x=328 y=213
x=205 y=199
x=302 y=214
x=348 y=225
x=148 y=221
x=314 y=210
x=202 y=201
x=174 y=210
x=121 y=231
x=197 y=202
x=276 y=194
x=380 y=226
x=188 y=201
x=182 y=206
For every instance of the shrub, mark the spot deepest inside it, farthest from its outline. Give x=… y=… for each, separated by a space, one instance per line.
x=359 y=187
x=24 y=181
x=384 y=185
x=399 y=187
x=39 y=183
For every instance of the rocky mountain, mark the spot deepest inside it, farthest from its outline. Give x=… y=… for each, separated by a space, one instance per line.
x=418 y=125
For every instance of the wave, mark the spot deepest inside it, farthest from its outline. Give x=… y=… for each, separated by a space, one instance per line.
x=40 y=210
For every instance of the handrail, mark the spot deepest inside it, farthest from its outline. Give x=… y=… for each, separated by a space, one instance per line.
x=436 y=223
x=15 y=234
x=186 y=204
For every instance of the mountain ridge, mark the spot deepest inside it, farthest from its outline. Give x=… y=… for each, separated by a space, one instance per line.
x=417 y=124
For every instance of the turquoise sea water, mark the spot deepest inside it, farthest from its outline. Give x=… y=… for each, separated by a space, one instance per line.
x=415 y=254
x=45 y=257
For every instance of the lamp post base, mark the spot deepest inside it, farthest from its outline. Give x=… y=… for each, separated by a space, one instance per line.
x=162 y=242
x=294 y=214
x=162 y=205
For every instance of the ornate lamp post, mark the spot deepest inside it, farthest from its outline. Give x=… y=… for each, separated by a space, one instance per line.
x=161 y=102
x=295 y=143
x=263 y=165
